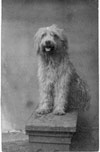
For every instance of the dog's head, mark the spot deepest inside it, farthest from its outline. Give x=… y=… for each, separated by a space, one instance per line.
x=50 y=40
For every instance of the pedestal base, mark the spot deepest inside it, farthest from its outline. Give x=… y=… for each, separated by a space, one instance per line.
x=50 y=133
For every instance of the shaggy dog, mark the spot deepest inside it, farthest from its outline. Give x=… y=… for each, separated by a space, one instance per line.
x=61 y=88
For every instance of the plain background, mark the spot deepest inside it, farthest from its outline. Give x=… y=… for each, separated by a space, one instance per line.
x=20 y=21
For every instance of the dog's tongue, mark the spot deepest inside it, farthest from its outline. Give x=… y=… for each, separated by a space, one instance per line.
x=48 y=49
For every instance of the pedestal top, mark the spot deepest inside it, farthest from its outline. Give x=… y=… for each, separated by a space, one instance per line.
x=51 y=122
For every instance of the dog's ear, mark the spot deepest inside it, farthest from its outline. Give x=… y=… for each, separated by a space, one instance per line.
x=61 y=34
x=36 y=43
x=37 y=38
x=64 y=40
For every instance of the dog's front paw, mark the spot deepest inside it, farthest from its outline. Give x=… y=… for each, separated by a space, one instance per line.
x=43 y=110
x=59 y=111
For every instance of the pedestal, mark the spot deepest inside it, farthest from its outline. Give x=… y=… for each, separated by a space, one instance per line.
x=50 y=133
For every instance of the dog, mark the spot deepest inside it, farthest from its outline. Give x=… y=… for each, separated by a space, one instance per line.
x=61 y=88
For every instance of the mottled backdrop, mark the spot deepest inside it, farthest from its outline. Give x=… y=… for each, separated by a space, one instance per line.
x=20 y=20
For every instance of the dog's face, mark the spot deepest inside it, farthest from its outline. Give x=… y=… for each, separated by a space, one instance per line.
x=50 y=40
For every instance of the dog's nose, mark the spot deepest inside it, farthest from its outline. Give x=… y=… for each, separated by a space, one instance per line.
x=48 y=42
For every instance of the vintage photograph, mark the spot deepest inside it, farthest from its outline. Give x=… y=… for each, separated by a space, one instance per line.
x=49 y=76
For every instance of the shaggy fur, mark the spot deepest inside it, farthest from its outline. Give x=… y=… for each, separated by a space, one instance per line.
x=61 y=88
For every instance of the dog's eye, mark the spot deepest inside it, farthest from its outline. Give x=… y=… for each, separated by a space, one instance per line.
x=43 y=35
x=55 y=35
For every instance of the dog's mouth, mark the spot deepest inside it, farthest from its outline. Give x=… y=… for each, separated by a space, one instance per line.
x=48 y=48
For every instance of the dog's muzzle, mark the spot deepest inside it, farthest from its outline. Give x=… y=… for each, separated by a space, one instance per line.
x=48 y=46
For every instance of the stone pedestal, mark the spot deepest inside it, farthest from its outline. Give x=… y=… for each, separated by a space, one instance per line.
x=50 y=133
